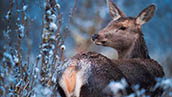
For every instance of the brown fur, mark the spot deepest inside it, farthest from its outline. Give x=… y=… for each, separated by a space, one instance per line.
x=103 y=70
x=129 y=43
x=136 y=71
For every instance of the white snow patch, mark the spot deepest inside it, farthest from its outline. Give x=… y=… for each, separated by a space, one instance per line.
x=53 y=17
x=62 y=47
x=53 y=26
x=58 y=5
x=25 y=7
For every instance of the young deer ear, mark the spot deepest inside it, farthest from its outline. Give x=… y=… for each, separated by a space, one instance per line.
x=145 y=15
x=114 y=11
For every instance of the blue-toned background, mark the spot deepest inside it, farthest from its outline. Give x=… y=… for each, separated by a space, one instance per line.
x=91 y=16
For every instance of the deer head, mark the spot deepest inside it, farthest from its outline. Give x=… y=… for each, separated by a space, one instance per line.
x=123 y=32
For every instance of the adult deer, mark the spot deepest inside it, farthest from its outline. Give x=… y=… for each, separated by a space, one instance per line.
x=87 y=74
x=124 y=34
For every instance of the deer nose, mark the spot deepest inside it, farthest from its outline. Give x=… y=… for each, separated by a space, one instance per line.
x=94 y=37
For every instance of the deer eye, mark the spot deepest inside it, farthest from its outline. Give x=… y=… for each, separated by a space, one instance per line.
x=122 y=28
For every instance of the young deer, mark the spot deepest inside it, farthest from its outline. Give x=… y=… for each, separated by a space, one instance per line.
x=87 y=74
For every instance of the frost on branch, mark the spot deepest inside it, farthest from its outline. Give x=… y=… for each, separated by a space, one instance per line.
x=20 y=73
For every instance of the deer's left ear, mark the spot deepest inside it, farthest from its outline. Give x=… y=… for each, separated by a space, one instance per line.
x=145 y=15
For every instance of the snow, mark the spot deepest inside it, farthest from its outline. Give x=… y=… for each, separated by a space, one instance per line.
x=52 y=46
x=7 y=16
x=116 y=86
x=19 y=82
x=25 y=17
x=167 y=83
x=45 y=35
x=7 y=55
x=41 y=91
x=58 y=5
x=16 y=60
x=25 y=7
x=46 y=91
x=54 y=79
x=18 y=19
x=53 y=37
x=45 y=45
x=170 y=94
x=131 y=95
x=48 y=12
x=53 y=26
x=21 y=28
x=57 y=57
x=62 y=47
x=51 y=53
x=53 y=17
x=10 y=78
x=37 y=69
x=39 y=56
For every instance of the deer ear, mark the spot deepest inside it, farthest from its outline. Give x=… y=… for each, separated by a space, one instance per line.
x=114 y=11
x=145 y=15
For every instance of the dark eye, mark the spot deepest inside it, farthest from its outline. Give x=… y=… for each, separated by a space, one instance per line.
x=122 y=28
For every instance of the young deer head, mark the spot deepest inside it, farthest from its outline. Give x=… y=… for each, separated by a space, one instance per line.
x=124 y=33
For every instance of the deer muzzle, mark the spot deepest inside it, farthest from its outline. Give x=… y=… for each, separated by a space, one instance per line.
x=98 y=40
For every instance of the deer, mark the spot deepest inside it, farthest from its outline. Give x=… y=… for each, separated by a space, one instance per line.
x=124 y=35
x=88 y=73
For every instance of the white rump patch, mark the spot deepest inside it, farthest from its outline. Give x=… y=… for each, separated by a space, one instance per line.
x=83 y=72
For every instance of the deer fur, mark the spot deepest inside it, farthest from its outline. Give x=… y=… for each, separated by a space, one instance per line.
x=98 y=74
x=134 y=64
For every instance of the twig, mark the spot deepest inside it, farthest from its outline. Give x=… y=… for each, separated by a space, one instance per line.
x=72 y=12
x=57 y=35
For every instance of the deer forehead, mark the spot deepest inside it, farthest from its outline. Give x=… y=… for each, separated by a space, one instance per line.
x=124 y=22
x=127 y=23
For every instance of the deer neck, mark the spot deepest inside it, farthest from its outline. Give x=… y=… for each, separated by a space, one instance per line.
x=137 y=50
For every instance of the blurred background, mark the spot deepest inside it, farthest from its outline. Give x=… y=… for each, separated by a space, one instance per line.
x=89 y=17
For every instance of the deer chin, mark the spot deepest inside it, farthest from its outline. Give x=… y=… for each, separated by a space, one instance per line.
x=97 y=42
x=100 y=43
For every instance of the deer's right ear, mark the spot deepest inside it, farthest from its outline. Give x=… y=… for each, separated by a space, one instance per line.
x=114 y=11
x=145 y=15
